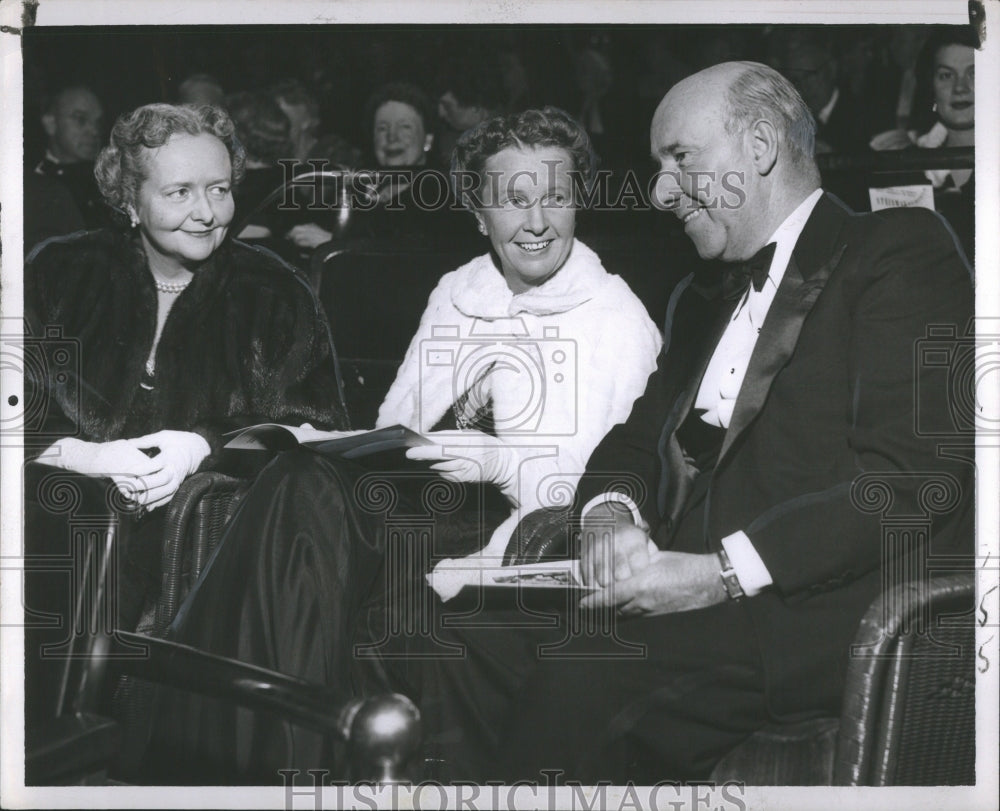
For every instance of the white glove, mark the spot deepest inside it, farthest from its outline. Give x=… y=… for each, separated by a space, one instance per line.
x=119 y=460
x=181 y=452
x=472 y=457
x=110 y=459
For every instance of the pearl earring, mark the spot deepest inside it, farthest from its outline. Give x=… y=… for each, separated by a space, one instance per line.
x=934 y=107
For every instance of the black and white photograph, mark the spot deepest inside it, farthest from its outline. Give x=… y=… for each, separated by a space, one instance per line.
x=504 y=405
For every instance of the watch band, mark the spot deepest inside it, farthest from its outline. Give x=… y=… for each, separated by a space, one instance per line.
x=730 y=581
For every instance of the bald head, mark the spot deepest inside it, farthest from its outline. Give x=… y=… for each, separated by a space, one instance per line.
x=705 y=91
x=74 y=121
x=734 y=143
x=740 y=93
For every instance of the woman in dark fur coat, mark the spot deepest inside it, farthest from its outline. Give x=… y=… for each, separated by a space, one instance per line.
x=183 y=334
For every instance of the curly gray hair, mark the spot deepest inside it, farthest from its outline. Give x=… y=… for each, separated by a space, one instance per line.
x=120 y=168
x=548 y=126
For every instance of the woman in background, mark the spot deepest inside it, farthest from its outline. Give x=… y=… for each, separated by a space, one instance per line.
x=393 y=204
x=945 y=113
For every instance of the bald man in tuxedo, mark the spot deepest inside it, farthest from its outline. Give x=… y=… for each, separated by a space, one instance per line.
x=726 y=520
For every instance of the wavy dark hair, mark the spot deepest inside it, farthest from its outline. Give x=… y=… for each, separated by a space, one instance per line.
x=548 y=126
x=120 y=168
x=923 y=116
x=405 y=93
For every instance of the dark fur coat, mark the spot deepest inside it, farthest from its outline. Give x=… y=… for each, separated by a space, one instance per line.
x=246 y=342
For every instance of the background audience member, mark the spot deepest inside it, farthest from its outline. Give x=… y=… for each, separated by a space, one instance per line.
x=400 y=125
x=73 y=121
x=302 y=110
x=944 y=114
x=201 y=88
x=263 y=130
x=806 y=56
x=867 y=75
x=401 y=122
x=470 y=90
x=904 y=47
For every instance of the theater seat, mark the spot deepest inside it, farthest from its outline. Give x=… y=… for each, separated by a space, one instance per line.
x=909 y=711
x=374 y=294
x=69 y=737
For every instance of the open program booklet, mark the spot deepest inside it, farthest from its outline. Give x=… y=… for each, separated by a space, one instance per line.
x=468 y=577
x=346 y=444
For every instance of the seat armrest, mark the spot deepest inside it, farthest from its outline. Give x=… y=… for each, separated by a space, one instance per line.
x=543 y=533
x=383 y=731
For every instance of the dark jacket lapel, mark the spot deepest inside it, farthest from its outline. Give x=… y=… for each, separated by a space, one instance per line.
x=702 y=317
x=816 y=255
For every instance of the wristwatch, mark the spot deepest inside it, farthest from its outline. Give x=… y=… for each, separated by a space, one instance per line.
x=730 y=581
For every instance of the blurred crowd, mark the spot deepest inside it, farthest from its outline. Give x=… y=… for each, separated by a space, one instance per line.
x=384 y=98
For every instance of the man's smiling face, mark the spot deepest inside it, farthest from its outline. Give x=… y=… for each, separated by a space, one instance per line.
x=706 y=174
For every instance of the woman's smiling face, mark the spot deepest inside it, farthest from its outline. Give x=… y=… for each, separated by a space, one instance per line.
x=528 y=212
x=954 y=86
x=400 y=137
x=185 y=202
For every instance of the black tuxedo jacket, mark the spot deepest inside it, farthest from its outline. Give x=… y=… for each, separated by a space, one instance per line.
x=828 y=442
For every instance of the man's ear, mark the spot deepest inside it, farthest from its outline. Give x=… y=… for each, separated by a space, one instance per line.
x=763 y=137
x=49 y=124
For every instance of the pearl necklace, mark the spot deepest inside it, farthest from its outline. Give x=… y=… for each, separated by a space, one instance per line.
x=171 y=287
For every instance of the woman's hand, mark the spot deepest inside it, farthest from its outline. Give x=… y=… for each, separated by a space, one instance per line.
x=180 y=454
x=119 y=460
x=471 y=457
x=308 y=235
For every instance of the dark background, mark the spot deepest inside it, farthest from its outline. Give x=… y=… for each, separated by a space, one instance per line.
x=128 y=66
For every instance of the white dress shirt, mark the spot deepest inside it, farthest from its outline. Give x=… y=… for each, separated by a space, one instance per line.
x=723 y=379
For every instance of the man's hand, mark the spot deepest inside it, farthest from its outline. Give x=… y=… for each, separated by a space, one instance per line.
x=612 y=546
x=669 y=582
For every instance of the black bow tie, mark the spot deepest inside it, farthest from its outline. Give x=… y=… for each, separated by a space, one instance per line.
x=754 y=270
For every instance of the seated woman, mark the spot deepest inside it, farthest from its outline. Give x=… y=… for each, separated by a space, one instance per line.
x=394 y=204
x=945 y=102
x=183 y=333
x=532 y=351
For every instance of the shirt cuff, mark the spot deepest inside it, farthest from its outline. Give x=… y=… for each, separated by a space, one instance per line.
x=614 y=497
x=750 y=569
